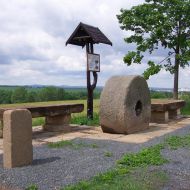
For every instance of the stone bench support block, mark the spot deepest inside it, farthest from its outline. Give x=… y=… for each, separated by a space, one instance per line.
x=17 y=138
x=57 y=123
x=159 y=117
x=173 y=114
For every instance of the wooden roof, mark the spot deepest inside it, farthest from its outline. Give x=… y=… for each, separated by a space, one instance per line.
x=87 y=34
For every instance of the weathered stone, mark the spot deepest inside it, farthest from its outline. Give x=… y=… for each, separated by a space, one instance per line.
x=125 y=105
x=52 y=113
x=17 y=138
x=57 y=123
x=48 y=110
x=173 y=114
x=1 y=129
x=159 y=117
x=163 y=110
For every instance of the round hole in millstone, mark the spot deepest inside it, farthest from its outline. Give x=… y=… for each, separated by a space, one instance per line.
x=138 y=108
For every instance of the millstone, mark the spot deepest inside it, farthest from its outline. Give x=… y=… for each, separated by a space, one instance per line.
x=125 y=105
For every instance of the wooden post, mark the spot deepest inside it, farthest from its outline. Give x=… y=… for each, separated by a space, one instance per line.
x=90 y=88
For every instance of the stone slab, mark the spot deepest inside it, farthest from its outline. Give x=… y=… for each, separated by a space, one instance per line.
x=47 y=110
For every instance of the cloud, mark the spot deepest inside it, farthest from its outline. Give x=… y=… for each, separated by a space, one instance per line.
x=33 y=35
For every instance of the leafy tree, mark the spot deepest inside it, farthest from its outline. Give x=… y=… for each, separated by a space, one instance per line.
x=48 y=94
x=5 y=96
x=156 y=24
x=19 y=95
x=32 y=96
x=60 y=93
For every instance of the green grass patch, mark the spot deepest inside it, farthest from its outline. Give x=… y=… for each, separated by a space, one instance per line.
x=146 y=157
x=38 y=121
x=71 y=144
x=32 y=187
x=186 y=109
x=121 y=177
x=83 y=120
x=175 y=142
x=108 y=154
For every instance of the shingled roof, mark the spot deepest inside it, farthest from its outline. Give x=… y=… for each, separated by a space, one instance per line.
x=87 y=34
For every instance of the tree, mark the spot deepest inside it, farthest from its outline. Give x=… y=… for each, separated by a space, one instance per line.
x=31 y=96
x=19 y=95
x=48 y=94
x=5 y=96
x=156 y=24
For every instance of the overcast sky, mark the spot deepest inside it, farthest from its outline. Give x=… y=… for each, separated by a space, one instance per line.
x=33 y=35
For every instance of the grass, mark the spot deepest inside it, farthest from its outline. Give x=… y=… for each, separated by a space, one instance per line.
x=32 y=187
x=71 y=144
x=176 y=142
x=132 y=170
x=108 y=154
x=123 y=175
x=186 y=109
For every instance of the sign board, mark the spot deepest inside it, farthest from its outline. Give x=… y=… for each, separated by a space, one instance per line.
x=93 y=62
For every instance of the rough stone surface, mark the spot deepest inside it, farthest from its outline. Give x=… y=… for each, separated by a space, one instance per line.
x=17 y=141
x=57 y=123
x=125 y=105
x=159 y=117
x=1 y=129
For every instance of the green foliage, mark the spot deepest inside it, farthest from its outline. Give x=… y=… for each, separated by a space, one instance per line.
x=38 y=121
x=31 y=96
x=71 y=144
x=32 y=187
x=160 y=95
x=146 y=157
x=5 y=96
x=175 y=142
x=156 y=24
x=10 y=95
x=139 y=180
x=60 y=144
x=50 y=93
x=83 y=120
x=152 y=70
x=132 y=171
x=19 y=95
x=108 y=154
x=125 y=175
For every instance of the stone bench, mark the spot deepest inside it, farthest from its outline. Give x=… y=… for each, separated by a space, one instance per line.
x=163 y=110
x=57 y=117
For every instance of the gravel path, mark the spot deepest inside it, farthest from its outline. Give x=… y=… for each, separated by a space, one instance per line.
x=55 y=168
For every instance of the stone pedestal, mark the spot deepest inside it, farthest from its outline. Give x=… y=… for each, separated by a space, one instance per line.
x=173 y=114
x=159 y=117
x=1 y=129
x=17 y=138
x=57 y=123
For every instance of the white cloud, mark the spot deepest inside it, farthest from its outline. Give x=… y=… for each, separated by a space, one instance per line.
x=33 y=35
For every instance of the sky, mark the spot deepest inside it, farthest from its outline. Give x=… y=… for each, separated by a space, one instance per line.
x=32 y=43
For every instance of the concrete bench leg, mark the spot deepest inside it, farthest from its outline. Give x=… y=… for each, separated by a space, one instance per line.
x=159 y=117
x=17 y=138
x=174 y=113
x=57 y=123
